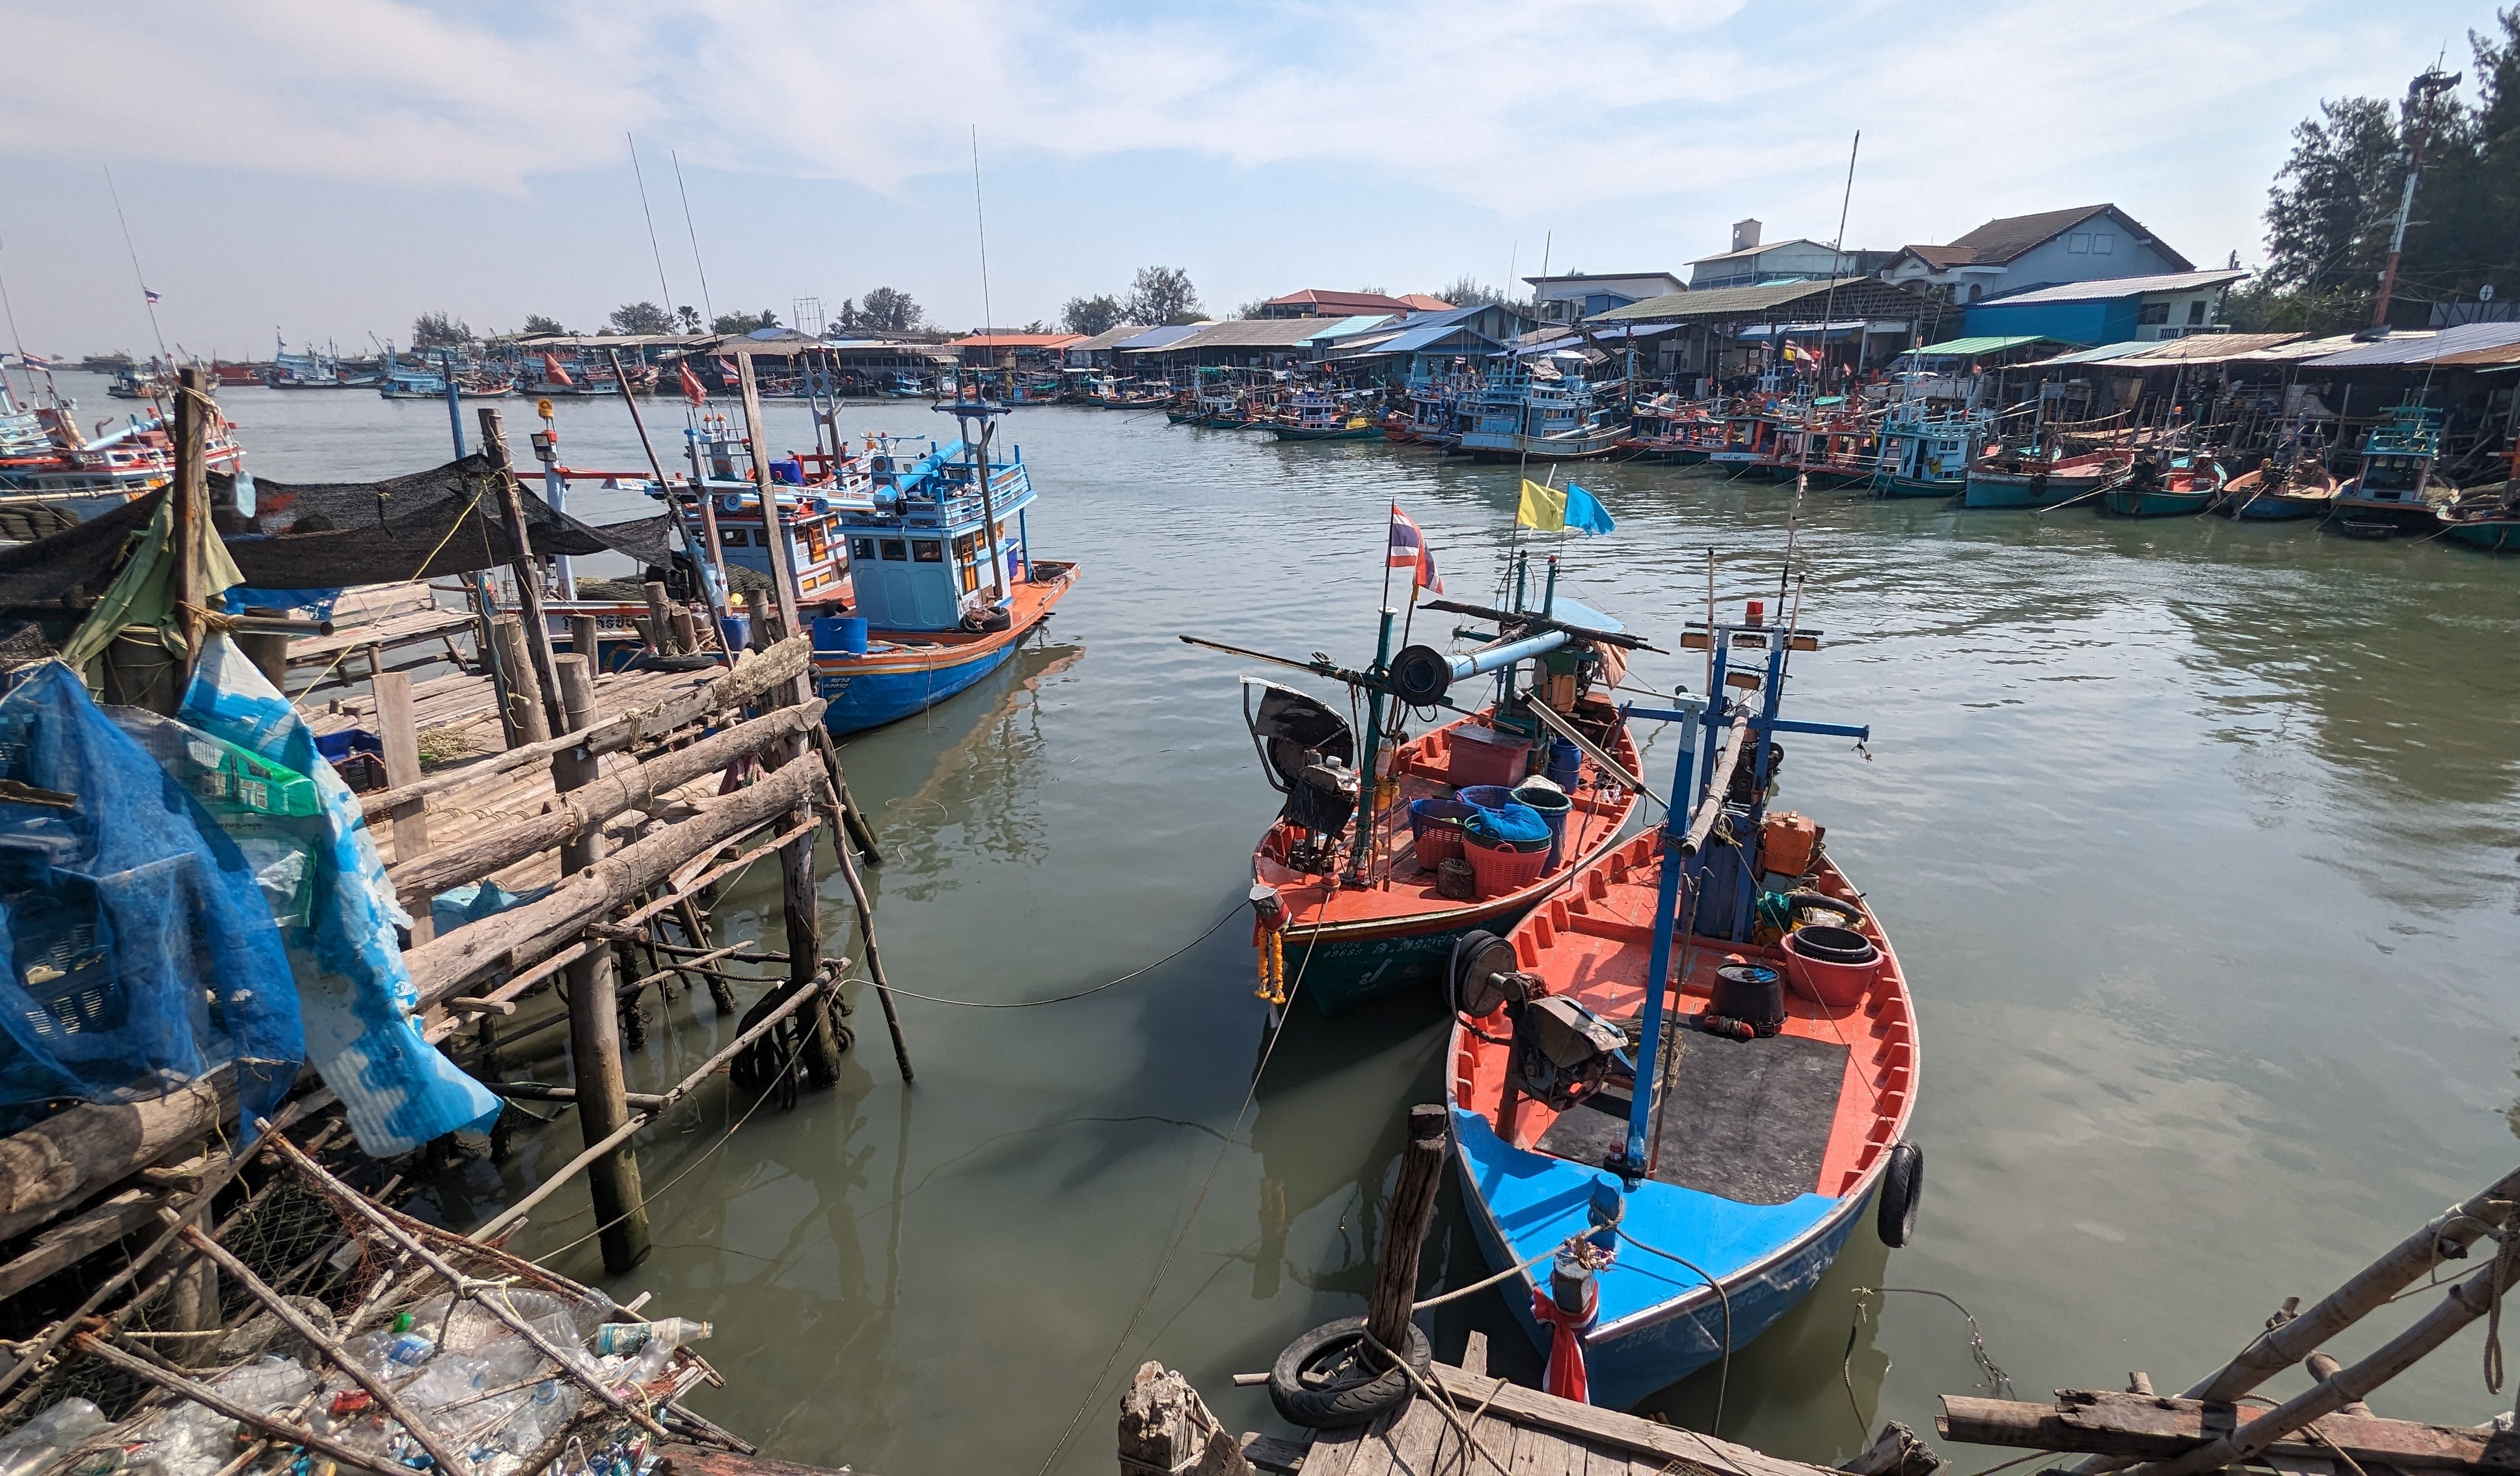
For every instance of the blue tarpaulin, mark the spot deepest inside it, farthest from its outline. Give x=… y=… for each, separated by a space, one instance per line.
x=141 y=954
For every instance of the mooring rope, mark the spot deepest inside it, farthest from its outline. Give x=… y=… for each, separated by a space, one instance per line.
x=1019 y=1004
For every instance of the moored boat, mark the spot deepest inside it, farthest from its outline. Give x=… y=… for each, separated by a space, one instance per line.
x=2484 y=517
x=1634 y=1079
x=2181 y=490
x=2392 y=490
x=2037 y=477
x=1320 y=417
x=2274 y=493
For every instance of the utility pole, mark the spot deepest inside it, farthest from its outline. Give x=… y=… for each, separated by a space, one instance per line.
x=2422 y=94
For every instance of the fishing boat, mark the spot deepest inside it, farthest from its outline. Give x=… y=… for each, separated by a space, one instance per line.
x=2392 y=490
x=1539 y=412
x=2042 y=476
x=913 y=565
x=1670 y=429
x=1319 y=416
x=1829 y=444
x=1366 y=893
x=2273 y=492
x=46 y=460
x=429 y=384
x=2485 y=516
x=2187 y=487
x=153 y=382
x=1609 y=1124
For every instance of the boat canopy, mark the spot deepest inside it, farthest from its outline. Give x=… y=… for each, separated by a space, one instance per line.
x=1288 y=727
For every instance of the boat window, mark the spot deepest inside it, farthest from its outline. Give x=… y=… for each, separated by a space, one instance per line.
x=862 y=549
x=896 y=550
x=734 y=537
x=928 y=551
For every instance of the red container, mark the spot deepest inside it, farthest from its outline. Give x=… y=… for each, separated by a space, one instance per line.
x=1501 y=871
x=1475 y=755
x=1835 y=984
x=1437 y=844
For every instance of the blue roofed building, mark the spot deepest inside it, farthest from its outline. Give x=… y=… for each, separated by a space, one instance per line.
x=2111 y=310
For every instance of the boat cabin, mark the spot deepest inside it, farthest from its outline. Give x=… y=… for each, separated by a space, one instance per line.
x=921 y=547
x=2397 y=457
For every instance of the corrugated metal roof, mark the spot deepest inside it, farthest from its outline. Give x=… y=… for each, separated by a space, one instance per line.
x=2423 y=347
x=1015 y=340
x=1112 y=340
x=2109 y=289
x=1247 y=333
x=1972 y=348
x=1720 y=301
x=2193 y=348
x=2097 y=354
x=1350 y=327
x=1159 y=338
x=1425 y=335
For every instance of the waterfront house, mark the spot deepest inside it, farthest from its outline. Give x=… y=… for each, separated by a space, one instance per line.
x=1241 y=344
x=1097 y=353
x=1321 y=303
x=1574 y=296
x=2110 y=310
x=2084 y=244
x=1752 y=262
x=1429 y=345
x=1016 y=350
x=1729 y=331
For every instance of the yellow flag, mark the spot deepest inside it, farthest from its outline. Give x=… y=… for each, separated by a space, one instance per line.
x=1543 y=508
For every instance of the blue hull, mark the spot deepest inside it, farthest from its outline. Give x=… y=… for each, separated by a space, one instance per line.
x=1659 y=1322
x=856 y=700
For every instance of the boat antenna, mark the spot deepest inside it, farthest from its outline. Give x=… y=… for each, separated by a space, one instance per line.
x=706 y=305
x=1836 y=265
x=653 y=250
x=148 y=299
x=988 y=314
x=14 y=337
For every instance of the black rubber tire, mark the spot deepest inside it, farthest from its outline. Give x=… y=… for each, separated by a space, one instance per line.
x=1809 y=942
x=1903 y=1185
x=1339 y=1405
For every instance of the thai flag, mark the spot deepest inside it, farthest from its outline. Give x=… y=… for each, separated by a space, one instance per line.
x=727 y=372
x=1408 y=551
x=151 y=295
x=34 y=361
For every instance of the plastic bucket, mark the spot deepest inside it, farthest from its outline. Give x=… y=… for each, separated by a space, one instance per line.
x=736 y=630
x=1485 y=795
x=1553 y=808
x=840 y=635
x=1833 y=983
x=1498 y=871
x=1435 y=829
x=1565 y=764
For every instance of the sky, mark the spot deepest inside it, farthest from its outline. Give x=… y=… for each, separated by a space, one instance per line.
x=326 y=169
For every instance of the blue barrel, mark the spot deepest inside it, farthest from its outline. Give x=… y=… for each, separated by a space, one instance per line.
x=1565 y=764
x=1485 y=795
x=840 y=635
x=736 y=630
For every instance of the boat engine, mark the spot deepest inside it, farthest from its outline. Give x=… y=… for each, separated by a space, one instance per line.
x=1562 y=1051
x=1322 y=798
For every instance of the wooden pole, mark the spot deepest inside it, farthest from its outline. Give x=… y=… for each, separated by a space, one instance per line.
x=1404 y=1228
x=529 y=583
x=799 y=897
x=660 y=621
x=595 y=1015
x=400 y=733
x=585 y=638
x=526 y=708
x=874 y=958
x=192 y=511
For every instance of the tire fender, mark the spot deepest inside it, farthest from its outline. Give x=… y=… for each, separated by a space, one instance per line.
x=1903 y=1186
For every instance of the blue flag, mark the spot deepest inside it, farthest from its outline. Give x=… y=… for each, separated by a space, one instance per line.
x=1585 y=512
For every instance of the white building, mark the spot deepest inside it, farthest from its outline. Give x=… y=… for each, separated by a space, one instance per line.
x=1577 y=296
x=1750 y=264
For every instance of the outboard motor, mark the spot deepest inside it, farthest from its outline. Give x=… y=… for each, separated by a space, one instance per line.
x=1322 y=798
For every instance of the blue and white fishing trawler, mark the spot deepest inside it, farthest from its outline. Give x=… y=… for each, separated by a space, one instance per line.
x=914 y=572
x=1539 y=412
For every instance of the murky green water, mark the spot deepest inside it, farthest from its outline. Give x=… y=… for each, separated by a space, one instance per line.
x=2198 y=843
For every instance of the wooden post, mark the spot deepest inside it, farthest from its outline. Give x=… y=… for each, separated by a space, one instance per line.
x=192 y=510
x=687 y=631
x=268 y=650
x=525 y=707
x=192 y=1306
x=756 y=614
x=400 y=733
x=798 y=897
x=585 y=638
x=595 y=1014
x=529 y=584
x=1167 y=1430
x=659 y=624
x=1404 y=1228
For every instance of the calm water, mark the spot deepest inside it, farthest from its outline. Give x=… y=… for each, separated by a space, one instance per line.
x=2198 y=843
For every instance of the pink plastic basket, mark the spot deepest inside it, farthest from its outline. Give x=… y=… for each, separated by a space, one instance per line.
x=1437 y=844
x=1501 y=871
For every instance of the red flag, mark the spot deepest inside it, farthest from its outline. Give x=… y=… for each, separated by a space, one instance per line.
x=557 y=375
x=1408 y=551
x=691 y=390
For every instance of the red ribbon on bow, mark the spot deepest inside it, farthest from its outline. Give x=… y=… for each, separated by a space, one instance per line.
x=1566 y=1377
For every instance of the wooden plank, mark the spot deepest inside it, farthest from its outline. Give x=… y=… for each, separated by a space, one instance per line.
x=73 y=1240
x=1268 y=1453
x=1411 y=1442
x=2106 y=1422
x=1531 y=1408
x=1334 y=1452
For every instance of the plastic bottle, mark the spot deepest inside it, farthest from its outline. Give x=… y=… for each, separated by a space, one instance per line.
x=629 y=1337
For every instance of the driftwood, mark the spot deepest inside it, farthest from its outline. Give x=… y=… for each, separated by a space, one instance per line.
x=514 y=940
x=71 y=1154
x=575 y=811
x=754 y=673
x=2145 y=1427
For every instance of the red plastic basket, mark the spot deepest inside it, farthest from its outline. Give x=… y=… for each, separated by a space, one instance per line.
x=1437 y=844
x=1501 y=871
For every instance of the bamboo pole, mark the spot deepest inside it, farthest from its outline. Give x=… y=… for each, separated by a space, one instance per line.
x=192 y=497
x=595 y=1014
x=210 y=1399
x=753 y=675
x=529 y=591
x=583 y=808
x=427 y=1439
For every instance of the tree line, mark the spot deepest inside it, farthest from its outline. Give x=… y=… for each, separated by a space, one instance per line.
x=2333 y=207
